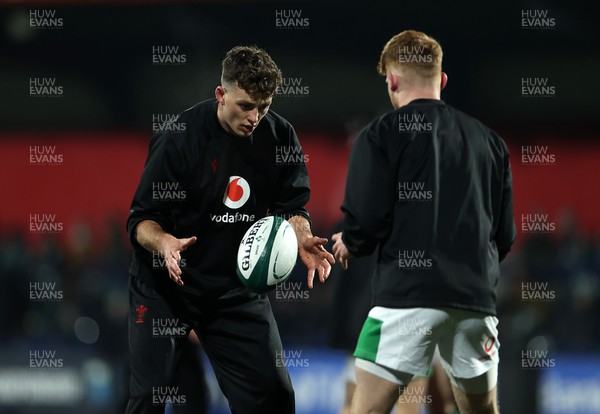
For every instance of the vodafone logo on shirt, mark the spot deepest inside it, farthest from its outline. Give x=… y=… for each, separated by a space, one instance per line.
x=237 y=192
x=236 y=195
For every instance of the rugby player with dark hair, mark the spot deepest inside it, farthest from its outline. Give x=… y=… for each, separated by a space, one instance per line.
x=200 y=190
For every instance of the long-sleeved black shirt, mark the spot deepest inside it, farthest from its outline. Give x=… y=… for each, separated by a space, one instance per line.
x=433 y=187
x=201 y=181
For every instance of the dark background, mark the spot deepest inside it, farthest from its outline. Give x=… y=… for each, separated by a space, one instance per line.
x=102 y=56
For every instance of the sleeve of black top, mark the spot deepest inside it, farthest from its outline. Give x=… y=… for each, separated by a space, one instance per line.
x=506 y=232
x=368 y=200
x=165 y=165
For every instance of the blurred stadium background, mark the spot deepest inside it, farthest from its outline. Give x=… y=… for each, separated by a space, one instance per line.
x=71 y=156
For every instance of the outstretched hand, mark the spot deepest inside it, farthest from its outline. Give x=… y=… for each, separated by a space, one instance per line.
x=315 y=257
x=171 y=251
x=311 y=250
x=153 y=238
x=340 y=250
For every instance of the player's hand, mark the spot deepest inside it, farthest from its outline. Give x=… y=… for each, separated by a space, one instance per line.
x=171 y=249
x=315 y=257
x=311 y=250
x=340 y=251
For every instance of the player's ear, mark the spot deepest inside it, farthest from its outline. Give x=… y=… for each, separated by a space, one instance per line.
x=443 y=81
x=392 y=81
x=220 y=94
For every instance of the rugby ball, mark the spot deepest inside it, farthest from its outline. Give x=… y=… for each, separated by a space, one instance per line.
x=267 y=254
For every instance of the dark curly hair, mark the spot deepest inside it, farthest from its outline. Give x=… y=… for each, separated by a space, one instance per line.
x=253 y=70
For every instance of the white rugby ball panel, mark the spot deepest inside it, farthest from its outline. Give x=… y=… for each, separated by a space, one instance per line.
x=283 y=258
x=251 y=248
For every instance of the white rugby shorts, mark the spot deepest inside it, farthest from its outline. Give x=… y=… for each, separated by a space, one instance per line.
x=405 y=340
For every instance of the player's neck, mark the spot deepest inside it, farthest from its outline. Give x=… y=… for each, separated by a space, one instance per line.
x=221 y=120
x=404 y=97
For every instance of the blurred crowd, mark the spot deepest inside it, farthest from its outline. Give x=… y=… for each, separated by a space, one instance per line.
x=563 y=271
x=93 y=280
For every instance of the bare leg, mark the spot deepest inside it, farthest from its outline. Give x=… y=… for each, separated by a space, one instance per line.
x=440 y=390
x=414 y=393
x=373 y=395
x=350 y=388
x=486 y=403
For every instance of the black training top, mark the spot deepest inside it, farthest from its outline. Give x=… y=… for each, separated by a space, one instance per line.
x=201 y=181
x=433 y=187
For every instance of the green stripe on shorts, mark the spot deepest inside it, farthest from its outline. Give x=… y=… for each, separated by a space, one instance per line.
x=368 y=341
x=429 y=373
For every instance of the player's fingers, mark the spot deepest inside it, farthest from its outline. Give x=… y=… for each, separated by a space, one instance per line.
x=335 y=249
x=173 y=263
x=322 y=274
x=319 y=240
x=327 y=267
x=185 y=243
x=313 y=244
x=177 y=256
x=337 y=253
x=176 y=278
x=311 y=276
x=327 y=256
x=344 y=264
x=174 y=271
x=336 y=236
x=340 y=259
